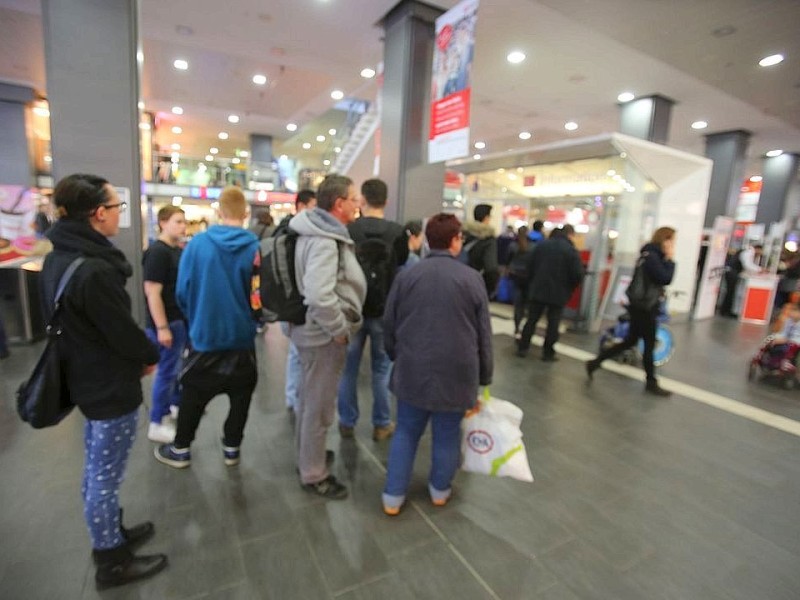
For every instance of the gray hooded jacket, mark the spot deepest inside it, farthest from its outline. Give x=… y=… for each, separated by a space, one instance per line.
x=329 y=277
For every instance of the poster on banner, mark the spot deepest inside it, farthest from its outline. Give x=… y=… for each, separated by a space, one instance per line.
x=714 y=268
x=19 y=230
x=451 y=84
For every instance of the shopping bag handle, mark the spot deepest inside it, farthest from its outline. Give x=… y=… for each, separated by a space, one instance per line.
x=484 y=398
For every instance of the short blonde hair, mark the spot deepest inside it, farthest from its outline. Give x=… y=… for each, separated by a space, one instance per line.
x=232 y=204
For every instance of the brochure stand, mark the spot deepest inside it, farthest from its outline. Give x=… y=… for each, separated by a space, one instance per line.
x=758 y=298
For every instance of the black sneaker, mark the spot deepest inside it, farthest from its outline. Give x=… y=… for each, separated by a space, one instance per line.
x=327 y=488
x=657 y=390
x=170 y=455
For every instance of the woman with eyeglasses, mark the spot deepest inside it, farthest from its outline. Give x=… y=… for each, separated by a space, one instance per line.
x=106 y=356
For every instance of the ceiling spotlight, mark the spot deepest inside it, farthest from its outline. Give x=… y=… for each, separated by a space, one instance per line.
x=525 y=135
x=476 y=156
x=570 y=126
x=774 y=153
x=331 y=131
x=235 y=161
x=756 y=178
x=320 y=138
x=177 y=110
x=515 y=57
x=337 y=149
x=699 y=125
x=244 y=153
x=480 y=145
x=233 y=118
x=41 y=111
x=626 y=97
x=222 y=135
x=213 y=150
x=291 y=127
x=368 y=73
x=140 y=105
x=177 y=130
x=770 y=61
x=180 y=64
x=306 y=145
x=175 y=146
x=337 y=94
x=209 y=158
x=326 y=162
x=259 y=79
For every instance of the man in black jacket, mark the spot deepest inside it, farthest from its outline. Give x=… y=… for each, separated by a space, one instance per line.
x=480 y=246
x=555 y=270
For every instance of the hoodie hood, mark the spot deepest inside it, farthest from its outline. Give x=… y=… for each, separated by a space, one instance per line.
x=652 y=248
x=230 y=238
x=78 y=237
x=479 y=230
x=319 y=222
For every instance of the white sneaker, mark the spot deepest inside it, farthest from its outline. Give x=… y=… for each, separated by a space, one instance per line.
x=161 y=433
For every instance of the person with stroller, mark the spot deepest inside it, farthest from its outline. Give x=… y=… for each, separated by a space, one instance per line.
x=783 y=346
x=658 y=267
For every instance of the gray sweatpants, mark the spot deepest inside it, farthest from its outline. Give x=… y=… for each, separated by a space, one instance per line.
x=316 y=407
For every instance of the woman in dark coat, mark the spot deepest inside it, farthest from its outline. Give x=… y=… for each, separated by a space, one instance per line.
x=656 y=259
x=438 y=333
x=106 y=355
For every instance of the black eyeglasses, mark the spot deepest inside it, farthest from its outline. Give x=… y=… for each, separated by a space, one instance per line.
x=123 y=206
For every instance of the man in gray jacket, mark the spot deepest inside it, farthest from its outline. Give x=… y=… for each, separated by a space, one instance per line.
x=333 y=285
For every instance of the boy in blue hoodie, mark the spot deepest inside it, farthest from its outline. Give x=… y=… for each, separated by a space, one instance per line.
x=217 y=290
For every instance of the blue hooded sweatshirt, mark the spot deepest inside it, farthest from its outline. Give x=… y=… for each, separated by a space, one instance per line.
x=213 y=288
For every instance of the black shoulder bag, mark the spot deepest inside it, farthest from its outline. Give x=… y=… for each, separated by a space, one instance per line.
x=44 y=399
x=642 y=293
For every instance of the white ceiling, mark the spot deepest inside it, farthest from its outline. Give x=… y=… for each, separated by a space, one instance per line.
x=581 y=54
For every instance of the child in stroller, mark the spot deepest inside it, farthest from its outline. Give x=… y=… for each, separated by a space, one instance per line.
x=778 y=354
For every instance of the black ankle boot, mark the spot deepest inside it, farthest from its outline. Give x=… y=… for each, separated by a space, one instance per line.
x=119 y=566
x=136 y=535
x=591 y=367
x=652 y=387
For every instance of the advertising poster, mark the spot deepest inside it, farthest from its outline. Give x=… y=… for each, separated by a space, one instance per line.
x=714 y=268
x=20 y=223
x=450 y=82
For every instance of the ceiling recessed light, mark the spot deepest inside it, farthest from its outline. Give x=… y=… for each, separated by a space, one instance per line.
x=233 y=118
x=570 y=126
x=626 y=97
x=177 y=130
x=756 y=178
x=306 y=145
x=480 y=145
x=144 y=126
x=337 y=149
x=770 y=61
x=177 y=110
x=41 y=111
x=259 y=79
x=291 y=126
x=524 y=135
x=243 y=153
x=520 y=169
x=326 y=162
x=774 y=153
x=320 y=138
x=699 y=125
x=235 y=161
x=283 y=157
x=501 y=170
x=209 y=158
x=476 y=156
x=222 y=135
x=180 y=64
x=337 y=94
x=140 y=105
x=512 y=176
x=48 y=158
x=368 y=73
x=331 y=131
x=175 y=146
x=515 y=57
x=213 y=150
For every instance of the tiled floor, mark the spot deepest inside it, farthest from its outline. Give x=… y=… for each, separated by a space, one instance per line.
x=634 y=497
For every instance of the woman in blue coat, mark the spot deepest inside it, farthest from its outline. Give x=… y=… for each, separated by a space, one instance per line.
x=438 y=333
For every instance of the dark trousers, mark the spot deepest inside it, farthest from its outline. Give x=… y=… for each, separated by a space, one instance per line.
x=535 y=310
x=207 y=374
x=642 y=325
x=520 y=302
x=726 y=306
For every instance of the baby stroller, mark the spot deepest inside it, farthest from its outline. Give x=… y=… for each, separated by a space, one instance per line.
x=776 y=360
x=662 y=351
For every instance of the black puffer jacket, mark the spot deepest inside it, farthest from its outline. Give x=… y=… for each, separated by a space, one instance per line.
x=554 y=270
x=105 y=349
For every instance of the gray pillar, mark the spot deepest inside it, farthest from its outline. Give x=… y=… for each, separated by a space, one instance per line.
x=93 y=90
x=16 y=166
x=260 y=148
x=415 y=187
x=728 y=150
x=646 y=118
x=779 y=173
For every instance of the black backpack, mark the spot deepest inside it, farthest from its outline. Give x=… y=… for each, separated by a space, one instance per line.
x=280 y=296
x=377 y=259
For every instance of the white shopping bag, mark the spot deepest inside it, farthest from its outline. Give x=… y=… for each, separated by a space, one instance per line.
x=491 y=440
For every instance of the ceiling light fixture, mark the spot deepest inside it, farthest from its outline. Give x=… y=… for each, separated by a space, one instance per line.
x=222 y=135
x=699 y=125
x=180 y=64
x=525 y=135
x=770 y=61
x=175 y=146
x=140 y=105
x=283 y=157
x=48 y=158
x=320 y=138
x=177 y=110
x=326 y=162
x=331 y=131
x=570 y=126
x=756 y=178
x=774 y=153
x=337 y=149
x=260 y=79
x=515 y=57
x=243 y=153
x=177 y=130
x=209 y=158
x=233 y=118
x=213 y=150
x=306 y=145
x=476 y=156
x=480 y=145
x=337 y=94
x=235 y=161
x=291 y=126
x=626 y=97
x=368 y=73
x=140 y=56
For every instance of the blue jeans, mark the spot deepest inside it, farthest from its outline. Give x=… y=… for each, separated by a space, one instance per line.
x=107 y=445
x=294 y=374
x=381 y=370
x=445 y=452
x=166 y=392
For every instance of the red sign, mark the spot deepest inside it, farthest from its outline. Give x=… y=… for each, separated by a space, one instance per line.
x=444 y=37
x=450 y=114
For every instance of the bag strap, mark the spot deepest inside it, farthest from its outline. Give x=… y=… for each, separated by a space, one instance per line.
x=62 y=284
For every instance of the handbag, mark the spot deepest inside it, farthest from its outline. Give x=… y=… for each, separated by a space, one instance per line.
x=44 y=399
x=641 y=292
x=491 y=440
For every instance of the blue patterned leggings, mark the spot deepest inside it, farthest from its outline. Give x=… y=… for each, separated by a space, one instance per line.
x=108 y=444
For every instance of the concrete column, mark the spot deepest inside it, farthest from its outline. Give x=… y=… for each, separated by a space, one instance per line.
x=415 y=187
x=93 y=90
x=646 y=118
x=779 y=175
x=728 y=150
x=15 y=152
